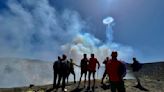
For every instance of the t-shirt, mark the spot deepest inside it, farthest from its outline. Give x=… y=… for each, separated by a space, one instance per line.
x=71 y=65
x=116 y=70
x=92 y=64
x=105 y=62
x=57 y=65
x=65 y=66
x=84 y=64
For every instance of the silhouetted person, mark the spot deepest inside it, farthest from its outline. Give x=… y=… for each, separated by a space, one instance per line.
x=116 y=71
x=105 y=72
x=61 y=70
x=64 y=71
x=57 y=74
x=84 y=68
x=92 y=69
x=136 y=66
x=56 y=68
x=71 y=69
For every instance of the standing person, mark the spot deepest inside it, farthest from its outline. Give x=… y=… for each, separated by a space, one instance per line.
x=64 y=70
x=84 y=68
x=57 y=74
x=136 y=66
x=71 y=69
x=116 y=71
x=105 y=72
x=92 y=69
x=56 y=68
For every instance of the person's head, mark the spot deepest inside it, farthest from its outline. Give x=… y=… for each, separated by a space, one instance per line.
x=71 y=60
x=114 y=54
x=85 y=55
x=134 y=59
x=64 y=56
x=92 y=55
x=59 y=58
x=107 y=58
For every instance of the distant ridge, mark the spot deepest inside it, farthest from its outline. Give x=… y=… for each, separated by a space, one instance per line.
x=153 y=70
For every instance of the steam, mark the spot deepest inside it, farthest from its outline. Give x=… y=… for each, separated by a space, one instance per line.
x=87 y=43
x=34 y=29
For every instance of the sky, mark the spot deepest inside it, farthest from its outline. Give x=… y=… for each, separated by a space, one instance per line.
x=45 y=29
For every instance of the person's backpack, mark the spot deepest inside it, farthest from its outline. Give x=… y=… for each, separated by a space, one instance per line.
x=136 y=66
x=139 y=66
x=122 y=69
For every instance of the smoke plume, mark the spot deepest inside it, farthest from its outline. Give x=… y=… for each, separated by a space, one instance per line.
x=35 y=29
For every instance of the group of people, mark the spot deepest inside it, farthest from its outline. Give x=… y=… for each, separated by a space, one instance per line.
x=62 y=68
x=88 y=66
x=114 y=69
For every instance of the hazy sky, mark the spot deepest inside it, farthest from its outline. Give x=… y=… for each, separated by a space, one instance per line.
x=138 y=24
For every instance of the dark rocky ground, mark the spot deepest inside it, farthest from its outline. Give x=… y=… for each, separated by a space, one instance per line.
x=150 y=84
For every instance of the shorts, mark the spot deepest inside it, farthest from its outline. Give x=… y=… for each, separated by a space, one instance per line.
x=83 y=71
x=117 y=86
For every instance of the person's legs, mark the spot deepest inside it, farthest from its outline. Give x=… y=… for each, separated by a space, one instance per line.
x=80 y=78
x=59 y=79
x=54 y=81
x=103 y=77
x=85 y=75
x=93 y=79
x=113 y=86
x=89 y=80
x=63 y=82
x=121 y=87
x=67 y=77
x=93 y=87
x=137 y=78
x=73 y=73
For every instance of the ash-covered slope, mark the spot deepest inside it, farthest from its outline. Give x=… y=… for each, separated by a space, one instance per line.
x=154 y=70
x=15 y=72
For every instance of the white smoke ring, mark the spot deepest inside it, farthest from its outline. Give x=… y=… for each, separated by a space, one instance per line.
x=108 y=20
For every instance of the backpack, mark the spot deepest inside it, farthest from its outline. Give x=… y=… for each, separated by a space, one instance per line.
x=136 y=66
x=122 y=69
